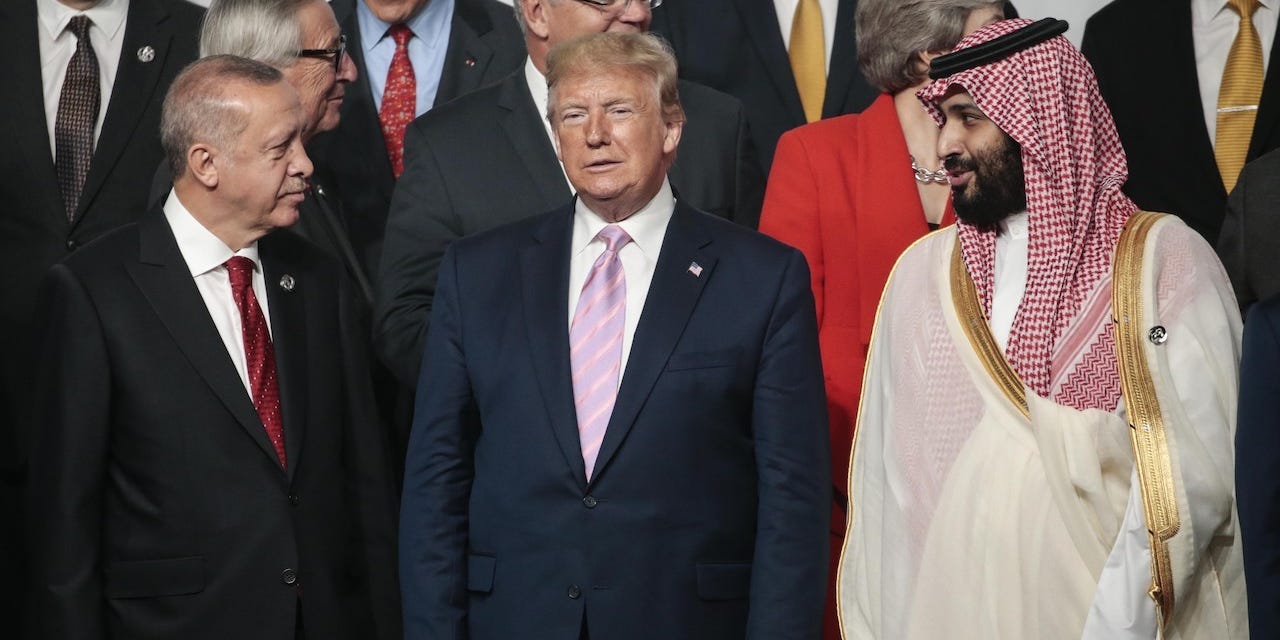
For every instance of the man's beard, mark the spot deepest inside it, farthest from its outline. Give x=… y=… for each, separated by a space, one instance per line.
x=997 y=188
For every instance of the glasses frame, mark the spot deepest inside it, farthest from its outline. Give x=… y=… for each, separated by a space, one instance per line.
x=337 y=52
x=605 y=5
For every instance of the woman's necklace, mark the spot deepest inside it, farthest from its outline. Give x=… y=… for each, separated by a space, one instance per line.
x=925 y=176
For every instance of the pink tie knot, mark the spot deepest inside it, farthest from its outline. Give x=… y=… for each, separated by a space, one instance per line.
x=400 y=32
x=614 y=237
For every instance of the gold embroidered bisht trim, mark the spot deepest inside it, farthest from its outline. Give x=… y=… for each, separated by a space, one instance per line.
x=974 y=321
x=1150 y=447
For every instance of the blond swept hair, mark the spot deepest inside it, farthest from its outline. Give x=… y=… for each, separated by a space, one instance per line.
x=597 y=53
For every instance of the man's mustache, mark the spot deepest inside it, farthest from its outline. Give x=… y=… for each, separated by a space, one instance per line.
x=955 y=163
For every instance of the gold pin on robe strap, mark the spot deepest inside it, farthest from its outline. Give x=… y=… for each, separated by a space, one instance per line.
x=1142 y=406
x=976 y=328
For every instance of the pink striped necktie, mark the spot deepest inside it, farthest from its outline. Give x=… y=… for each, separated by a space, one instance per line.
x=595 y=343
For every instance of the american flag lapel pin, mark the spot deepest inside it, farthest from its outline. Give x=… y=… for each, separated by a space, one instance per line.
x=695 y=269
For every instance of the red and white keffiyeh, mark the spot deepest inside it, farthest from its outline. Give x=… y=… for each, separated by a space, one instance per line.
x=1046 y=98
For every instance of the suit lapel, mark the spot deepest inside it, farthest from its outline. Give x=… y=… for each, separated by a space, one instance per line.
x=544 y=265
x=289 y=337
x=1268 y=105
x=19 y=23
x=162 y=276
x=147 y=25
x=523 y=126
x=468 y=55
x=673 y=294
x=760 y=19
x=1185 y=105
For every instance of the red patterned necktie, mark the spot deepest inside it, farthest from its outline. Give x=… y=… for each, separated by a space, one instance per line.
x=399 y=98
x=259 y=354
x=77 y=115
x=595 y=343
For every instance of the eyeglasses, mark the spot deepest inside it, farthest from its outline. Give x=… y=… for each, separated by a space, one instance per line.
x=337 y=52
x=619 y=6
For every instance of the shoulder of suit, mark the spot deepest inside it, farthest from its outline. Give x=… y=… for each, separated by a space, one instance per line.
x=474 y=109
x=185 y=12
x=116 y=246
x=701 y=98
x=1124 y=16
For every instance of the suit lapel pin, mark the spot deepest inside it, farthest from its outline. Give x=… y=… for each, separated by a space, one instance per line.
x=146 y=54
x=287 y=283
x=470 y=62
x=695 y=269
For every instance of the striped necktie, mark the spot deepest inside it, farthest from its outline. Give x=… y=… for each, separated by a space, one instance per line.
x=809 y=58
x=595 y=343
x=1238 y=96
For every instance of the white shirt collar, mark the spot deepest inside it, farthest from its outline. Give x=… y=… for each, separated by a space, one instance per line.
x=537 y=87
x=647 y=227
x=1204 y=11
x=107 y=15
x=1015 y=226
x=202 y=250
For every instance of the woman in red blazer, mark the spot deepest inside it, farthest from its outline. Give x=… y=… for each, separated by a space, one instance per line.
x=852 y=192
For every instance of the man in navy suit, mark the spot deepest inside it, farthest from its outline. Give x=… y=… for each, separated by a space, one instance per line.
x=620 y=427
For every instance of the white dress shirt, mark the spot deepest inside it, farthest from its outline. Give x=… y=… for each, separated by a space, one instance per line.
x=431 y=27
x=786 y=10
x=1121 y=609
x=205 y=256
x=1213 y=29
x=57 y=44
x=538 y=88
x=647 y=227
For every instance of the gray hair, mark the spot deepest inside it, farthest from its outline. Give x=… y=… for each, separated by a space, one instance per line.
x=892 y=33
x=604 y=52
x=262 y=30
x=199 y=109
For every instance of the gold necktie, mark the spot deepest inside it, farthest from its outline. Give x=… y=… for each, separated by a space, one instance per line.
x=1238 y=96
x=809 y=58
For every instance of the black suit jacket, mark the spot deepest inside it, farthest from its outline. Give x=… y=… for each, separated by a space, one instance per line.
x=485 y=45
x=34 y=232
x=1158 y=112
x=706 y=515
x=1257 y=451
x=158 y=506
x=735 y=46
x=1249 y=244
x=485 y=160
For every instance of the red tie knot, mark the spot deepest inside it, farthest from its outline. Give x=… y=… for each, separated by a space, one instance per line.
x=400 y=32
x=240 y=271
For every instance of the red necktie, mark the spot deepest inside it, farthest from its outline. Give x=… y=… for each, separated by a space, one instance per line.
x=399 y=98
x=259 y=354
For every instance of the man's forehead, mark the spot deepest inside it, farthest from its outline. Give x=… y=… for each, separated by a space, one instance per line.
x=956 y=97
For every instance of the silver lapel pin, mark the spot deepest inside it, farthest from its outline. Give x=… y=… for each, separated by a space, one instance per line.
x=146 y=54
x=287 y=282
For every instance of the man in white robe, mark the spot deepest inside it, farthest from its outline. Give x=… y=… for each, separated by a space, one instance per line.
x=994 y=488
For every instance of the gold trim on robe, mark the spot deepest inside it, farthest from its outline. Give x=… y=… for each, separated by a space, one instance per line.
x=965 y=296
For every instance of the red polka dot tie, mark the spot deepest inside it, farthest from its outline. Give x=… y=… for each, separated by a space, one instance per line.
x=259 y=354
x=399 y=99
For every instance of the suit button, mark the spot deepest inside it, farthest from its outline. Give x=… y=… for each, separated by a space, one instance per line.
x=293 y=499
x=574 y=592
x=289 y=576
x=590 y=502
x=72 y=245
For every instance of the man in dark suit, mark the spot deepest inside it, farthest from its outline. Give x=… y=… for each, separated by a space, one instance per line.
x=737 y=46
x=478 y=43
x=487 y=159
x=1161 y=109
x=145 y=43
x=208 y=463
x=1249 y=244
x=1257 y=485
x=654 y=468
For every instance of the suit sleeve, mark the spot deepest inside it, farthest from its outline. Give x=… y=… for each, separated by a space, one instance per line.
x=420 y=226
x=68 y=463
x=438 y=476
x=1231 y=244
x=1257 y=449
x=789 y=424
x=369 y=460
x=749 y=179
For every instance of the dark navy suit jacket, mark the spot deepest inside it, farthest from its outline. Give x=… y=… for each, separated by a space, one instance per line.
x=706 y=516
x=1257 y=463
